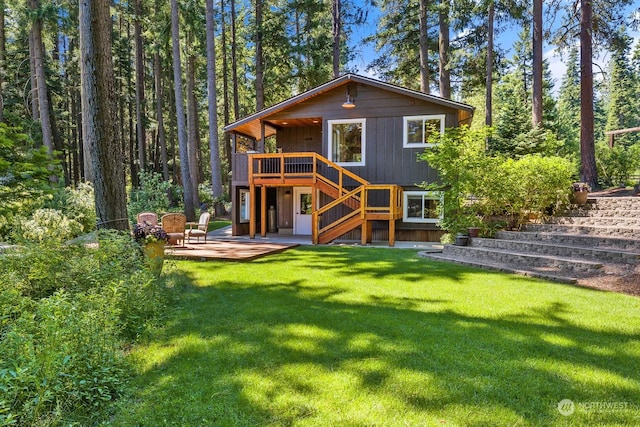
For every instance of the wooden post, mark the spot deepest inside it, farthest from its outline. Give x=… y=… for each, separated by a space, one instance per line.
x=392 y=232
x=364 y=233
x=263 y=212
x=252 y=211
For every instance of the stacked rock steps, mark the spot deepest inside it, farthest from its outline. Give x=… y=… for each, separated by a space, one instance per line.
x=566 y=249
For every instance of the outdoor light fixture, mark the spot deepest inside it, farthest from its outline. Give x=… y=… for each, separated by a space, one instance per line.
x=348 y=103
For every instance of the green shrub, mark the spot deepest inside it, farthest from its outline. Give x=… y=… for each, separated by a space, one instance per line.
x=66 y=312
x=151 y=196
x=46 y=225
x=479 y=186
x=24 y=176
x=78 y=204
x=617 y=164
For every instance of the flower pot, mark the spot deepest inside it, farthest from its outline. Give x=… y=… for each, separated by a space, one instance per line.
x=461 y=240
x=154 y=254
x=473 y=231
x=579 y=197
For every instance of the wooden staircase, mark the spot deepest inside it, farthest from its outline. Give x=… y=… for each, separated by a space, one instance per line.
x=351 y=202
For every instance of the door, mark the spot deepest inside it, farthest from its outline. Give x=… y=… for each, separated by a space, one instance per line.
x=302 y=209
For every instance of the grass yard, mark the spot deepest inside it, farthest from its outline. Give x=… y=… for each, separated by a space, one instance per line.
x=343 y=336
x=218 y=223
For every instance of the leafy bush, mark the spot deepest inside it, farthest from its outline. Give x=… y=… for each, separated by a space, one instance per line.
x=151 y=196
x=46 y=225
x=478 y=186
x=66 y=312
x=24 y=176
x=617 y=164
x=77 y=203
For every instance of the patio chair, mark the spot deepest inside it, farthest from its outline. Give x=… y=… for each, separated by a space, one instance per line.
x=200 y=229
x=174 y=224
x=149 y=218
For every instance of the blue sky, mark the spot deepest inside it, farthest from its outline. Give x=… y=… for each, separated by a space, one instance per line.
x=365 y=53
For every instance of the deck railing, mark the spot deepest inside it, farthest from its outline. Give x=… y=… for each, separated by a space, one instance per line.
x=354 y=197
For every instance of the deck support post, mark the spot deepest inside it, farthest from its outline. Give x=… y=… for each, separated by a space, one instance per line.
x=263 y=212
x=392 y=232
x=367 y=233
x=252 y=211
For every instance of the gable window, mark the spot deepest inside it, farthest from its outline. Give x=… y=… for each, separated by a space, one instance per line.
x=418 y=129
x=347 y=141
x=422 y=206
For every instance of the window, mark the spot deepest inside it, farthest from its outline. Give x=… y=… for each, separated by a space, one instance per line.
x=245 y=205
x=422 y=206
x=347 y=142
x=418 y=129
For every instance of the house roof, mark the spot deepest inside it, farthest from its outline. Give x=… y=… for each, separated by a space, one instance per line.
x=251 y=125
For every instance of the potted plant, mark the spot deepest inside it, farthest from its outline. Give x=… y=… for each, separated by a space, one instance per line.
x=580 y=193
x=152 y=238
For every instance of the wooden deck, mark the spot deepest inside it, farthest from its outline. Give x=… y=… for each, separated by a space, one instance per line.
x=226 y=250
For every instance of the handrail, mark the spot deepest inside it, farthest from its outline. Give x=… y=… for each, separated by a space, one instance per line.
x=315 y=158
x=278 y=170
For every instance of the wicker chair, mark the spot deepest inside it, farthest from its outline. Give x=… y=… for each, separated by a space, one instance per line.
x=200 y=229
x=174 y=224
x=148 y=218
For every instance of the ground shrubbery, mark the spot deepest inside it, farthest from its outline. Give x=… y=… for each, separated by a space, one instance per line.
x=478 y=185
x=66 y=313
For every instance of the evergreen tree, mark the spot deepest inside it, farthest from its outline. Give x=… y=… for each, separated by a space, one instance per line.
x=569 y=105
x=514 y=134
x=622 y=108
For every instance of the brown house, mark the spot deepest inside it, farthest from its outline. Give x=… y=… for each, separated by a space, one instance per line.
x=340 y=161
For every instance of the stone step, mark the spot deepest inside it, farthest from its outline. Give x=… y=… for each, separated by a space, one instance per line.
x=547 y=273
x=597 y=220
x=593 y=230
x=584 y=240
x=560 y=250
x=630 y=213
x=614 y=203
x=525 y=261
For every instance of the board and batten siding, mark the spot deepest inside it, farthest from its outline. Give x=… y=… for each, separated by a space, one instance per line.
x=386 y=160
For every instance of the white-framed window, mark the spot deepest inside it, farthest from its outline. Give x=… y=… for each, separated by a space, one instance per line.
x=245 y=206
x=422 y=206
x=347 y=141
x=418 y=129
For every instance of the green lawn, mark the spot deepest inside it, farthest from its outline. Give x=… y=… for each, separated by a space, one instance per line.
x=218 y=223
x=342 y=336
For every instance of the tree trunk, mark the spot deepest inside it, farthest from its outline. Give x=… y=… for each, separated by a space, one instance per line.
x=214 y=148
x=192 y=126
x=489 y=95
x=100 y=130
x=259 y=59
x=337 y=30
x=187 y=194
x=35 y=108
x=234 y=62
x=162 y=140
x=588 y=170
x=3 y=50
x=536 y=116
x=225 y=89
x=443 y=48
x=140 y=99
x=424 y=47
x=41 y=81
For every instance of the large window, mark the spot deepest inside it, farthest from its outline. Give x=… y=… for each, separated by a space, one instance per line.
x=422 y=206
x=418 y=130
x=245 y=206
x=347 y=142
